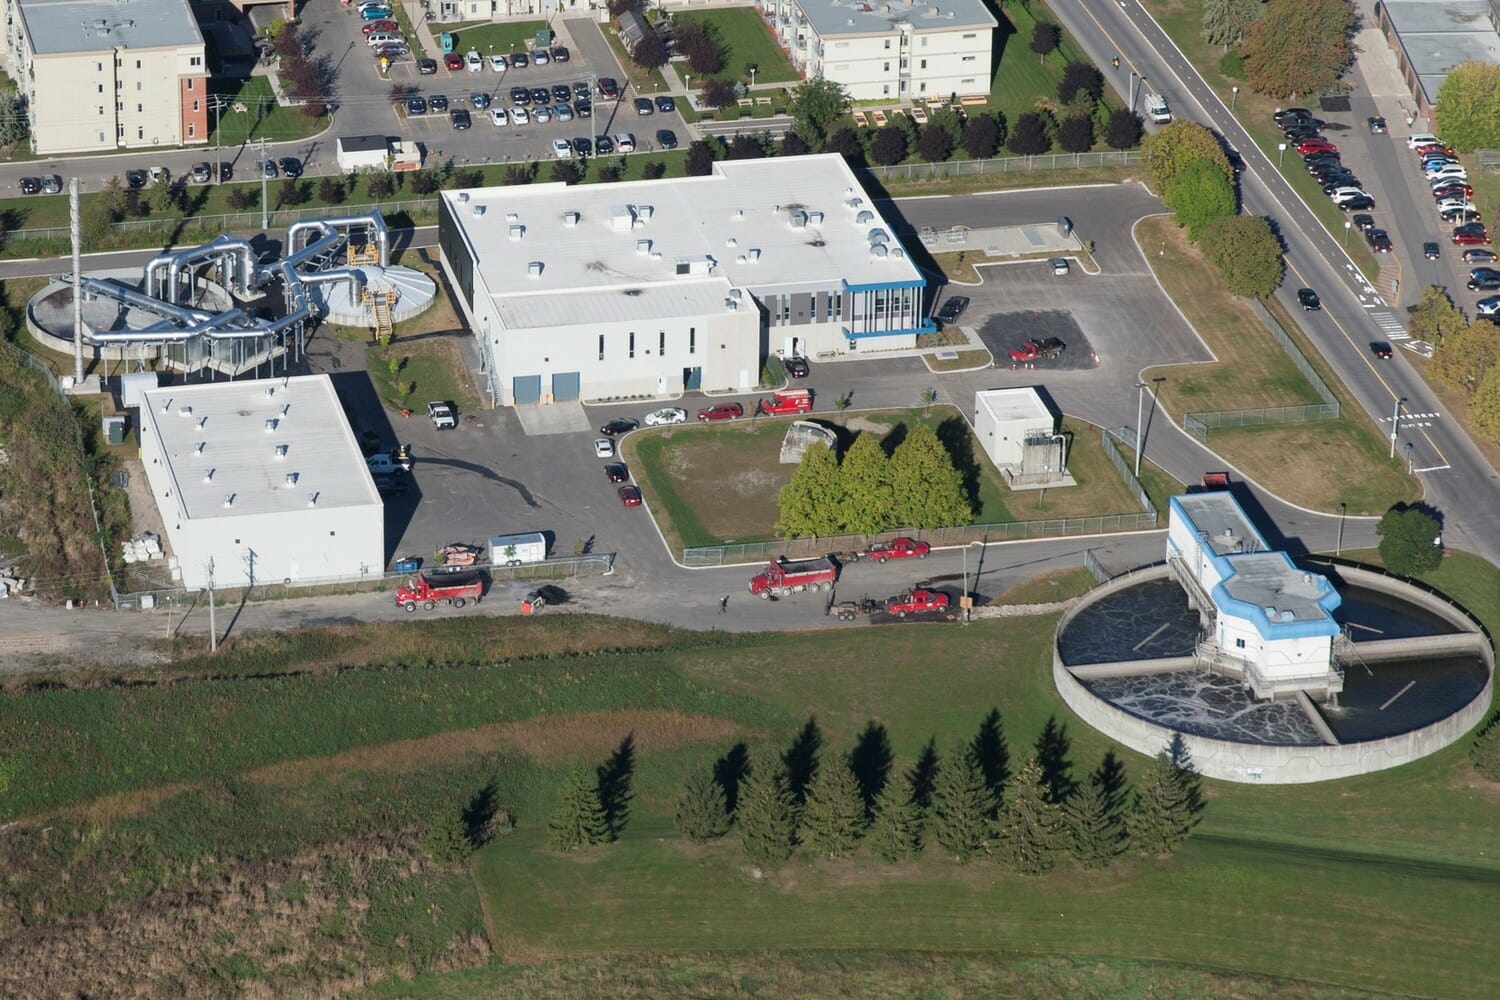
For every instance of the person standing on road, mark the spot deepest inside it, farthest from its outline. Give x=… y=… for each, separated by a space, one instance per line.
x=724 y=604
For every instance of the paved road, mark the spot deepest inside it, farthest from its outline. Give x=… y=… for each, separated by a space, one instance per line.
x=1459 y=481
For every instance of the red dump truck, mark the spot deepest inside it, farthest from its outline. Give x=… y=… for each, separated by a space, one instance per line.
x=456 y=588
x=785 y=401
x=787 y=576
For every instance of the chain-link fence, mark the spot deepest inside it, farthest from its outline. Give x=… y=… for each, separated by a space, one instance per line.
x=235 y=221
x=1118 y=461
x=1005 y=165
x=1199 y=424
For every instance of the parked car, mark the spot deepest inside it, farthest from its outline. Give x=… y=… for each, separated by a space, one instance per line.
x=1458 y=189
x=1354 y=204
x=1315 y=145
x=1049 y=349
x=644 y=107
x=290 y=166
x=1363 y=222
x=665 y=417
x=562 y=113
x=541 y=95
x=30 y=185
x=1308 y=299
x=540 y=57
x=899 y=548
x=1461 y=213
x=472 y=62
x=562 y=149
x=541 y=114
x=202 y=173
x=603 y=145
x=1470 y=234
x=1484 y=284
x=1479 y=256
x=1488 y=306
x=666 y=105
x=498 y=63
x=520 y=60
x=583 y=109
x=952 y=309
x=520 y=116
x=608 y=88
x=720 y=411
x=796 y=367
x=1058 y=265
x=1381 y=349
x=459 y=119
x=583 y=146
x=1286 y=116
x=1431 y=251
x=453 y=62
x=520 y=96
x=135 y=179
x=479 y=101
x=427 y=67
x=561 y=54
x=666 y=138
x=1376 y=125
x=630 y=496
x=604 y=448
x=374 y=26
x=375 y=14
x=443 y=414
x=619 y=425
x=616 y=472
x=416 y=105
x=499 y=118
x=438 y=103
x=917 y=601
x=1379 y=240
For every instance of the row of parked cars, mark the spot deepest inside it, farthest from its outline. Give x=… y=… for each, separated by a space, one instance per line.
x=1448 y=180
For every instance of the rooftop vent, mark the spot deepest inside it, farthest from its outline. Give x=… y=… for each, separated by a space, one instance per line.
x=731 y=242
x=270 y=391
x=797 y=219
x=815 y=218
x=570 y=219
x=877 y=235
x=200 y=446
x=202 y=422
x=898 y=254
x=739 y=213
x=644 y=212
x=208 y=475
x=182 y=411
x=285 y=409
x=312 y=499
x=271 y=425
x=853 y=202
x=754 y=254
x=534 y=269
x=516 y=232
x=878 y=250
x=463 y=196
x=736 y=294
x=643 y=247
x=864 y=216
x=229 y=500
x=740 y=259
x=512 y=217
x=731 y=305
x=291 y=479
x=281 y=451
x=478 y=210
x=656 y=255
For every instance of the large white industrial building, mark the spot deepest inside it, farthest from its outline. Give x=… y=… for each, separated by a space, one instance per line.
x=261 y=481
x=652 y=288
x=1267 y=620
x=899 y=50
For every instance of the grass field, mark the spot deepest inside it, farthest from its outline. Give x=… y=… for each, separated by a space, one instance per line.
x=746 y=42
x=262 y=118
x=1319 y=464
x=708 y=485
x=486 y=37
x=1021 y=77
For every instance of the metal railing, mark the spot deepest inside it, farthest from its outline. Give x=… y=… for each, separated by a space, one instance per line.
x=1005 y=165
x=1118 y=461
x=1200 y=423
x=234 y=221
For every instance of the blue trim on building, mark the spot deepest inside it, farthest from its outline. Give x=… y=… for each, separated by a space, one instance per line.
x=927 y=327
x=884 y=285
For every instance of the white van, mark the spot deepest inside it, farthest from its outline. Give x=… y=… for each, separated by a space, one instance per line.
x=382 y=38
x=1157 y=110
x=1420 y=139
x=624 y=142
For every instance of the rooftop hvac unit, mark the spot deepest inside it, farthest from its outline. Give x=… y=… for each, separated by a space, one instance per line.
x=898 y=254
x=643 y=247
x=281 y=451
x=797 y=219
x=463 y=196
x=271 y=425
x=478 y=210
x=621 y=218
x=534 y=269
x=731 y=242
x=516 y=232
x=754 y=254
x=864 y=216
x=731 y=305
x=570 y=219
x=815 y=218
x=182 y=411
x=878 y=235
x=291 y=479
x=644 y=212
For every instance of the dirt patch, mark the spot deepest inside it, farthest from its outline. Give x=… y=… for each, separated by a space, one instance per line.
x=869 y=426
x=122 y=805
x=546 y=738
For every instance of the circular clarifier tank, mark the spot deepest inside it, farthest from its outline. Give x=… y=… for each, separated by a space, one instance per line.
x=1417 y=675
x=414 y=293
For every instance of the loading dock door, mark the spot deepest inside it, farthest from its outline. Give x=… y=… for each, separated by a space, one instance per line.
x=565 y=386
x=526 y=388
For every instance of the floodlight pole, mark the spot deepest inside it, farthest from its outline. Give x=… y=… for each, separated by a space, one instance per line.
x=1395 y=424
x=1140 y=434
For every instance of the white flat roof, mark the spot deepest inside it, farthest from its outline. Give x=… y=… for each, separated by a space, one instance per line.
x=698 y=297
x=239 y=450
x=1218 y=515
x=1439 y=34
x=865 y=17
x=755 y=223
x=1006 y=405
x=57 y=26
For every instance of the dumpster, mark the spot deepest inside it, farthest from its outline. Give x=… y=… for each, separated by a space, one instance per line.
x=408 y=564
x=448 y=41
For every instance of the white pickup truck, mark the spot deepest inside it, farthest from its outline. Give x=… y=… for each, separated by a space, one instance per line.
x=444 y=418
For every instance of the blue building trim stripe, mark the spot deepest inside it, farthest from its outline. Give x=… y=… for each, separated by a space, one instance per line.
x=880 y=286
x=927 y=327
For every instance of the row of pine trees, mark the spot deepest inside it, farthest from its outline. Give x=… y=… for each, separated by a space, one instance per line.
x=964 y=803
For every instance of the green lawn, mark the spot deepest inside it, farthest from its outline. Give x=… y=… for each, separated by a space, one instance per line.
x=1022 y=77
x=262 y=118
x=746 y=41
x=485 y=37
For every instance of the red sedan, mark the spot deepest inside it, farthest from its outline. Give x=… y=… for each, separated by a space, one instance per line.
x=453 y=61
x=1316 y=146
x=630 y=496
x=375 y=26
x=721 y=411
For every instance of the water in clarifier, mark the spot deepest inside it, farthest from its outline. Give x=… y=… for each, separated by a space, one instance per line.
x=1372 y=615
x=1148 y=621
x=1414 y=693
x=1204 y=704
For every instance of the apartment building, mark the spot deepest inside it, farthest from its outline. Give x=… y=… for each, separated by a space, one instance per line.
x=901 y=50
x=99 y=75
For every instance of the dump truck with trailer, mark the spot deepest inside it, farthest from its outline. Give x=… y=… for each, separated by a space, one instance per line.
x=452 y=587
x=788 y=576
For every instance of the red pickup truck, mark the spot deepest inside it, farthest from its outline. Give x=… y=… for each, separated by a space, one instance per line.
x=786 y=401
x=914 y=602
x=454 y=588
x=899 y=548
x=787 y=576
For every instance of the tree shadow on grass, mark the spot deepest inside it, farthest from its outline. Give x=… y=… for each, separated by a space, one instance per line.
x=870 y=760
x=1112 y=781
x=615 y=777
x=923 y=774
x=730 y=771
x=959 y=443
x=801 y=758
x=1052 y=748
x=992 y=753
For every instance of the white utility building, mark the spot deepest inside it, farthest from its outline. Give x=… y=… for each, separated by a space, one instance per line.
x=900 y=50
x=652 y=288
x=1265 y=619
x=263 y=481
x=1019 y=432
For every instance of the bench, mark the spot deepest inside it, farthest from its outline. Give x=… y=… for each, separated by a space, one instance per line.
x=745 y=102
x=764 y=102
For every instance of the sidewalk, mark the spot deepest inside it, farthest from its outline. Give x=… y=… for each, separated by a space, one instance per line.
x=1377 y=68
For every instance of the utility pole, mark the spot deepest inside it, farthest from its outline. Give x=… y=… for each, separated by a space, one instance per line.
x=1140 y=434
x=75 y=231
x=1395 y=424
x=265 y=205
x=216 y=104
x=213 y=627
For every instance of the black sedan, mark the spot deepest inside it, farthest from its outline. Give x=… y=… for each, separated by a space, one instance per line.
x=560 y=53
x=603 y=145
x=1381 y=349
x=459 y=118
x=952 y=309
x=797 y=367
x=427 y=67
x=583 y=146
x=1379 y=240
x=666 y=105
x=644 y=107
x=1363 y=222
x=438 y=103
x=291 y=167
x=1376 y=125
x=666 y=138
x=1431 y=251
x=31 y=185
x=619 y=425
x=617 y=472
x=136 y=180
x=1308 y=299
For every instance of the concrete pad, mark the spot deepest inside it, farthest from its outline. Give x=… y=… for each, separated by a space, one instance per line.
x=557 y=418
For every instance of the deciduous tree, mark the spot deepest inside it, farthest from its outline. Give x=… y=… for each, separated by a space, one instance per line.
x=1076 y=134
x=649 y=52
x=1199 y=195
x=578 y=819
x=1029 y=136
x=746 y=147
x=1029 y=832
x=767 y=820
x=889 y=147
x=292 y=192
x=1409 y=540
x=896 y=834
x=1435 y=318
x=934 y=143
x=1169 y=151
x=1484 y=408
x=1045 y=37
x=846 y=142
x=700 y=159
x=868 y=499
x=1080 y=78
x=695 y=42
x=962 y=805
x=331 y=191
x=1247 y=254
x=811 y=504
x=793 y=144
x=981 y=138
x=833 y=819
x=1225 y=21
x=719 y=94
x=929 y=491
x=1299 y=46
x=816 y=104
x=1125 y=129
x=1466 y=356
x=1468 y=108
x=702 y=814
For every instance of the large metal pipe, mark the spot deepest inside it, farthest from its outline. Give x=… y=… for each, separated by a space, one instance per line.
x=373 y=221
x=222 y=245
x=113 y=289
x=166 y=332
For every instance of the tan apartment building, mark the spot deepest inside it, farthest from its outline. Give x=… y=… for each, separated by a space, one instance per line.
x=107 y=74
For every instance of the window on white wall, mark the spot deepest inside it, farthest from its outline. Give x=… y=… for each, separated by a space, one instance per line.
x=661 y=343
x=924 y=63
x=601 y=347
x=692 y=340
x=968 y=58
x=631 y=351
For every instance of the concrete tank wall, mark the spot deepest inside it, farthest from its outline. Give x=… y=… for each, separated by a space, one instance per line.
x=1262 y=763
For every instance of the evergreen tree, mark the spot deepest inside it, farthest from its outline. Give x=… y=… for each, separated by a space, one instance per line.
x=962 y=805
x=834 y=817
x=579 y=820
x=1029 y=831
x=929 y=490
x=897 y=831
x=811 y=503
x=768 y=825
x=869 y=502
x=1096 y=831
x=447 y=841
x=702 y=813
x=1166 y=804
x=1486 y=749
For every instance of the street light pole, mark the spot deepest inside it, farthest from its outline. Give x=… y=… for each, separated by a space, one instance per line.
x=1347 y=226
x=1234 y=95
x=1140 y=434
x=1395 y=425
x=1280 y=154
